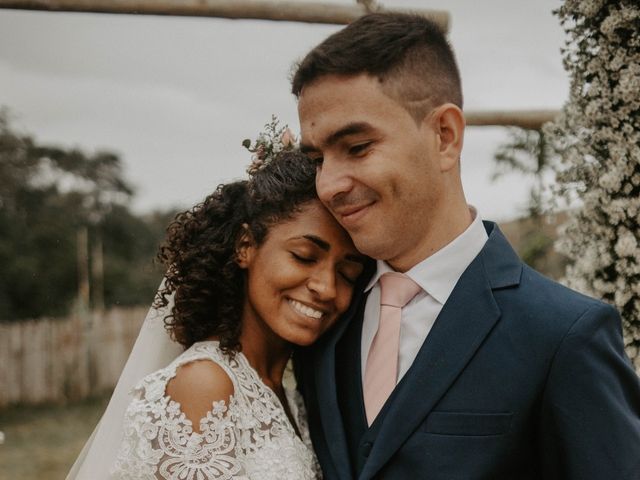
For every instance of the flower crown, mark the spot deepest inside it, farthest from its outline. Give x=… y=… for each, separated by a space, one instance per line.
x=270 y=142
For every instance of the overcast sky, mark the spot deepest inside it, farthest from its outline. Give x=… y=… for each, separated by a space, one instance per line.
x=175 y=96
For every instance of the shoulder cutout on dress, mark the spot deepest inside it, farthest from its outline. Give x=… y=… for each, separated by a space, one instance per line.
x=196 y=386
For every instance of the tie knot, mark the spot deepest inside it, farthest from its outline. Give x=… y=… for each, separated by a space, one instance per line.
x=396 y=289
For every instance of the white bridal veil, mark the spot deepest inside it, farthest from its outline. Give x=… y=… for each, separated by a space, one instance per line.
x=153 y=350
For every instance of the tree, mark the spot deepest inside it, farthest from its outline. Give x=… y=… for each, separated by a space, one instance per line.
x=47 y=194
x=130 y=242
x=598 y=138
x=528 y=153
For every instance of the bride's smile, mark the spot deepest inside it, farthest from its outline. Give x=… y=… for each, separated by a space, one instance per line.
x=303 y=309
x=301 y=277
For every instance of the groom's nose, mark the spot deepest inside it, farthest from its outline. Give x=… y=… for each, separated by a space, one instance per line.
x=333 y=178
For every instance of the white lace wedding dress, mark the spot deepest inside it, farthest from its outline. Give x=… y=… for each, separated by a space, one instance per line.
x=250 y=437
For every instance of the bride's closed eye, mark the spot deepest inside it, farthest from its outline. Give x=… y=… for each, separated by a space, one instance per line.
x=303 y=258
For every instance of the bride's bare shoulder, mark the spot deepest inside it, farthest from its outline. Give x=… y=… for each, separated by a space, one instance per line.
x=197 y=385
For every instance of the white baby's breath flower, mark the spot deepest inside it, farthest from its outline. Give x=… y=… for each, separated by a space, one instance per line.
x=590 y=7
x=627 y=244
x=598 y=137
x=617 y=61
x=623 y=296
x=610 y=181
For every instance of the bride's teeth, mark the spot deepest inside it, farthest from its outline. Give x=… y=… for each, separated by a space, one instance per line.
x=308 y=311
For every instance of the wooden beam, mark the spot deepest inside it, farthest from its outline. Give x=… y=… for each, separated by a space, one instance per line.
x=527 y=119
x=312 y=12
x=308 y=12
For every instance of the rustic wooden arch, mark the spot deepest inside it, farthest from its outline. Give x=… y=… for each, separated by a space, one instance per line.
x=308 y=12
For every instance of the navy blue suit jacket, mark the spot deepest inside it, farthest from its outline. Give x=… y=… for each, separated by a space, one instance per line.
x=519 y=378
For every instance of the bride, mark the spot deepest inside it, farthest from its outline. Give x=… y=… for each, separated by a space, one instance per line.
x=258 y=268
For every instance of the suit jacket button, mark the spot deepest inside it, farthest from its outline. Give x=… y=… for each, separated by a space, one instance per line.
x=366 y=448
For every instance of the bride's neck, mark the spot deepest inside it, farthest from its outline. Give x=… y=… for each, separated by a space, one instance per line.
x=267 y=353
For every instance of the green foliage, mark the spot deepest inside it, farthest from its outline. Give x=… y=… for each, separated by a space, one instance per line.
x=47 y=194
x=527 y=153
x=535 y=248
x=534 y=238
x=130 y=243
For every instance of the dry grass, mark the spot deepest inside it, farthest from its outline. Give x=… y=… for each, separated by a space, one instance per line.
x=43 y=442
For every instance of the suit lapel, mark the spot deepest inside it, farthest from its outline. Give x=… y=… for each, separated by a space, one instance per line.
x=466 y=319
x=325 y=368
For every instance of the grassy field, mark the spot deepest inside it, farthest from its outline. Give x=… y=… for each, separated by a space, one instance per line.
x=42 y=442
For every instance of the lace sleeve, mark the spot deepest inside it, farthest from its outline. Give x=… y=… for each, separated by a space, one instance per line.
x=160 y=443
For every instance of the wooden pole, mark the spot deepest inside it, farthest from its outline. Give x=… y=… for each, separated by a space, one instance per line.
x=82 y=251
x=83 y=314
x=308 y=12
x=312 y=12
x=527 y=119
x=97 y=272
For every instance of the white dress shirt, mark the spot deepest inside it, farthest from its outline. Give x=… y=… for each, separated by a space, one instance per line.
x=437 y=275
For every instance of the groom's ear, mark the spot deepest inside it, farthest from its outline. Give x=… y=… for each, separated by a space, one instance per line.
x=245 y=247
x=447 y=121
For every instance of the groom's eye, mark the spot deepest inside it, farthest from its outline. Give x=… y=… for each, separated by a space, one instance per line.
x=359 y=148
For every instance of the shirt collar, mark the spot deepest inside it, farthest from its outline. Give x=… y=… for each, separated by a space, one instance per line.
x=439 y=273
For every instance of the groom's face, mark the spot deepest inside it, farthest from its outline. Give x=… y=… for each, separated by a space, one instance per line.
x=378 y=170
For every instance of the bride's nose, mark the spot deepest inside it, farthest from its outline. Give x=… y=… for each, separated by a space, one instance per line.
x=323 y=283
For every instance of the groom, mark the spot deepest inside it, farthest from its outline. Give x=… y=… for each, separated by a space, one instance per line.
x=456 y=361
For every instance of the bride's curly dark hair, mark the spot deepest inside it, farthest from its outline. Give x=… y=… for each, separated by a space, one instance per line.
x=200 y=248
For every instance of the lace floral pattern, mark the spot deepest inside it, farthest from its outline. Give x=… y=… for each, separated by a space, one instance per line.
x=248 y=438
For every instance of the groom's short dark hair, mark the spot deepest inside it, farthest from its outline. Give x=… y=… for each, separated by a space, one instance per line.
x=408 y=54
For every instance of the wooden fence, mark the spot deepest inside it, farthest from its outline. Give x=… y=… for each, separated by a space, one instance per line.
x=56 y=360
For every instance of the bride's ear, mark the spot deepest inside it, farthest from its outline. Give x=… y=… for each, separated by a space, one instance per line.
x=245 y=247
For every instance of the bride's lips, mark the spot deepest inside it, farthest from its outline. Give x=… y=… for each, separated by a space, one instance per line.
x=303 y=308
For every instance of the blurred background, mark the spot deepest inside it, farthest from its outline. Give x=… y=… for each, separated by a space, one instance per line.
x=110 y=124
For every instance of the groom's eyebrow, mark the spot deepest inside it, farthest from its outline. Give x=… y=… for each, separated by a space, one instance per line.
x=353 y=128
x=349 y=129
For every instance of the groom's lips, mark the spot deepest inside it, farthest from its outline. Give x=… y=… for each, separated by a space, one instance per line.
x=350 y=215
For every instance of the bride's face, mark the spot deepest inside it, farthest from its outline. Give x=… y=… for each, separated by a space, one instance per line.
x=301 y=278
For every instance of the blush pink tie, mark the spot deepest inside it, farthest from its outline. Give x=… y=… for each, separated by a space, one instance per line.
x=381 y=370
